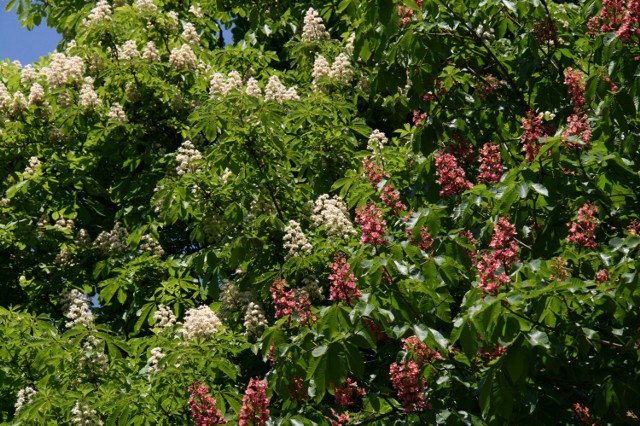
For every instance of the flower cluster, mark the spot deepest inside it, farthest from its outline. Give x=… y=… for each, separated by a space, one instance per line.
x=145 y=6
x=88 y=97
x=101 y=12
x=583 y=415
x=63 y=70
x=559 y=267
x=377 y=141
x=183 y=58
x=78 y=310
x=618 y=17
x=188 y=158
x=348 y=393
x=333 y=215
x=451 y=177
x=196 y=11
x=36 y=94
x=114 y=241
x=343 y=282
x=373 y=227
x=578 y=123
x=164 y=317
x=487 y=86
x=375 y=172
x=255 y=403
x=602 y=276
x=221 y=85
x=340 y=420
x=406 y=14
x=199 y=323
x=150 y=52
x=532 y=126
x=116 y=113
x=313 y=29
x=255 y=321
x=233 y=300
x=410 y=387
x=189 y=33
x=426 y=239
x=490 y=163
x=276 y=91
x=253 y=89
x=154 y=360
x=494 y=265
x=83 y=415
x=150 y=245
x=295 y=241
x=289 y=302
x=321 y=68
x=341 y=70
x=420 y=350
x=32 y=168
x=25 y=396
x=391 y=199
x=203 y=406
x=582 y=232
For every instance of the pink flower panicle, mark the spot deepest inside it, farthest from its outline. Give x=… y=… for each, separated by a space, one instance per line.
x=420 y=349
x=492 y=355
x=461 y=149
x=487 y=86
x=426 y=239
x=340 y=420
x=560 y=268
x=578 y=121
x=574 y=80
x=451 y=177
x=374 y=228
x=343 y=282
x=545 y=31
x=406 y=13
x=391 y=199
x=490 y=163
x=203 y=406
x=288 y=302
x=375 y=172
x=494 y=265
x=409 y=386
x=618 y=17
x=634 y=227
x=255 y=403
x=418 y=117
x=602 y=276
x=583 y=415
x=579 y=127
x=348 y=393
x=582 y=232
x=532 y=126
x=297 y=389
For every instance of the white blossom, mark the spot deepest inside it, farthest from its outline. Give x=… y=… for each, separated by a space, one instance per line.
x=154 y=360
x=350 y=43
x=295 y=241
x=190 y=34
x=65 y=224
x=88 y=97
x=150 y=52
x=188 y=159
x=320 y=68
x=28 y=74
x=313 y=29
x=226 y=174
x=117 y=114
x=275 y=90
x=30 y=170
x=63 y=70
x=19 y=103
x=164 y=316
x=200 y=322
x=78 y=310
x=5 y=97
x=196 y=10
x=36 y=94
x=341 y=69
x=128 y=51
x=101 y=12
x=83 y=415
x=255 y=321
x=145 y=6
x=183 y=58
x=114 y=241
x=25 y=396
x=149 y=244
x=92 y=360
x=377 y=141
x=333 y=215
x=253 y=89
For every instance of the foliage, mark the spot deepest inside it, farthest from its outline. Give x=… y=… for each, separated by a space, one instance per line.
x=381 y=213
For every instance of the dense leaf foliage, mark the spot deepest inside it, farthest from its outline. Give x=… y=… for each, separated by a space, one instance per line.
x=354 y=212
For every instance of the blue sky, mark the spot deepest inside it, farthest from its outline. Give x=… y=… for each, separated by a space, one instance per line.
x=17 y=42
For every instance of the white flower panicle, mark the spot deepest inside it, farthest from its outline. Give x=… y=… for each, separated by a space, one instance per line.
x=190 y=34
x=78 y=310
x=43 y=220
x=25 y=396
x=93 y=359
x=232 y=299
x=350 y=43
x=28 y=74
x=164 y=316
x=377 y=141
x=276 y=91
x=253 y=89
x=65 y=224
x=255 y=321
x=183 y=58
x=200 y=322
x=221 y=85
x=101 y=12
x=150 y=52
x=83 y=415
x=196 y=11
x=188 y=159
x=313 y=29
x=114 y=241
x=32 y=168
x=295 y=241
x=226 y=174
x=174 y=18
x=19 y=103
x=83 y=238
x=332 y=213
x=154 y=360
x=117 y=114
x=36 y=94
x=128 y=51
x=149 y=244
x=145 y=6
x=88 y=97
x=321 y=68
x=63 y=70
x=341 y=69
x=5 y=97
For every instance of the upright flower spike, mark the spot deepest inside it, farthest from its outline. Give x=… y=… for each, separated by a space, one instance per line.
x=532 y=126
x=409 y=386
x=493 y=266
x=343 y=282
x=313 y=29
x=582 y=232
x=451 y=176
x=255 y=403
x=373 y=227
x=490 y=164
x=203 y=406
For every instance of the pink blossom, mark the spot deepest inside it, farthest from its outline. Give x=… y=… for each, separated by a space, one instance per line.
x=409 y=386
x=391 y=199
x=374 y=171
x=348 y=393
x=532 y=126
x=602 y=276
x=582 y=232
x=451 y=176
x=579 y=127
x=490 y=163
x=288 y=302
x=255 y=403
x=420 y=349
x=583 y=415
x=493 y=265
x=203 y=406
x=574 y=80
x=373 y=226
x=340 y=420
x=343 y=282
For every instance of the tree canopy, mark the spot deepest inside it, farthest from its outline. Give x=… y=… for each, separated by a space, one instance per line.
x=322 y=212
